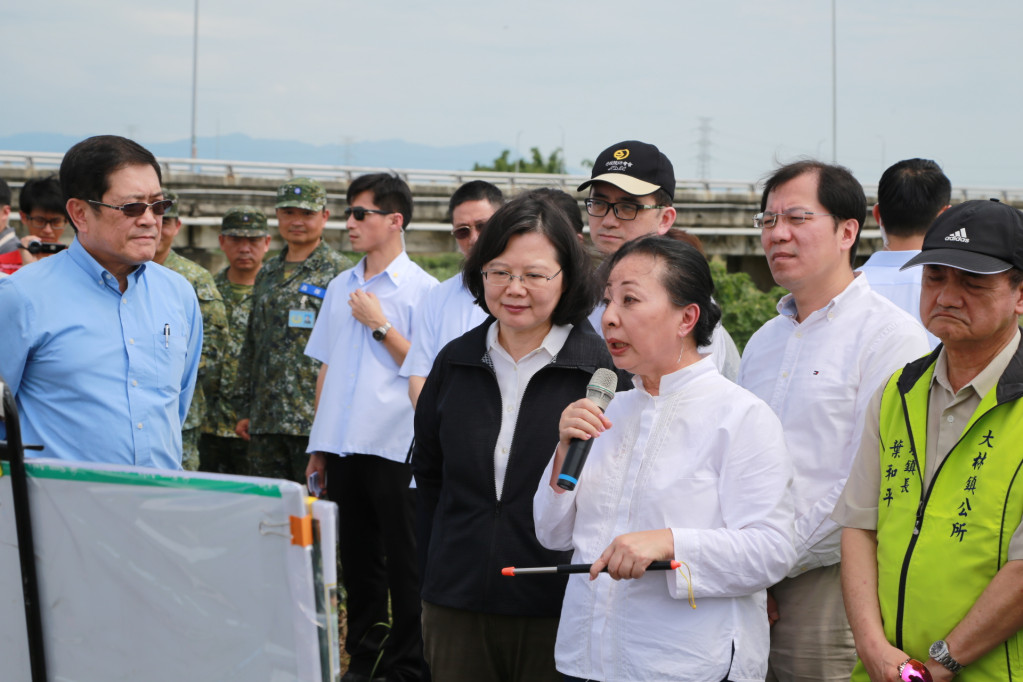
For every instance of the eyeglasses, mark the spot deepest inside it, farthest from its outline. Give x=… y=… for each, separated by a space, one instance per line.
x=530 y=280
x=41 y=223
x=795 y=217
x=137 y=208
x=624 y=210
x=463 y=231
x=360 y=213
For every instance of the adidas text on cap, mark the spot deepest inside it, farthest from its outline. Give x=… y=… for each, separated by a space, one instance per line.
x=634 y=167
x=983 y=237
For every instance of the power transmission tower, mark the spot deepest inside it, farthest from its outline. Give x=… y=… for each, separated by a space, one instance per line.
x=703 y=145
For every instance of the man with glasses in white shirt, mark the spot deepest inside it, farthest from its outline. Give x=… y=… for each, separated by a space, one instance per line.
x=449 y=310
x=817 y=365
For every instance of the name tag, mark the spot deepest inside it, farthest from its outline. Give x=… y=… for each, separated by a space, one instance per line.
x=312 y=290
x=301 y=319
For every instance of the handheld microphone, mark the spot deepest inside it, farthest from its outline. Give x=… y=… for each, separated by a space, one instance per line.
x=600 y=390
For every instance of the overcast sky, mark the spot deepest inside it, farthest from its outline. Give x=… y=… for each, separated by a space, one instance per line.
x=939 y=79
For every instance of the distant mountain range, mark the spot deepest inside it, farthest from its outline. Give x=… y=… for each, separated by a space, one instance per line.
x=238 y=147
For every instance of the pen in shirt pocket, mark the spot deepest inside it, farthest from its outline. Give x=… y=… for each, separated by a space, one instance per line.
x=166 y=336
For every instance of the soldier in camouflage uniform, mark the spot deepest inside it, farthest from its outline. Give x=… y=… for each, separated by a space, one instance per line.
x=244 y=239
x=214 y=323
x=276 y=386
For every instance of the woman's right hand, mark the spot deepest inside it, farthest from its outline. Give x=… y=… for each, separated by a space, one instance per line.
x=581 y=420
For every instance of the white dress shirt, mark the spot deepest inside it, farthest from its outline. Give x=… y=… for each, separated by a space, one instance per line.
x=901 y=287
x=818 y=376
x=446 y=313
x=512 y=379
x=706 y=459
x=364 y=406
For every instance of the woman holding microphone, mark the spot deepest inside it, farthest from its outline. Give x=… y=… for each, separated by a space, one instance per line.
x=687 y=467
x=485 y=425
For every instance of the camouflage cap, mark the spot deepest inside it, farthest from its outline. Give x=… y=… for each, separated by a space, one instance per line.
x=171 y=212
x=244 y=221
x=303 y=193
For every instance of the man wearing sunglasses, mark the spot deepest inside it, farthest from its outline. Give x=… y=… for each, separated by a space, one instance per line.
x=275 y=393
x=214 y=327
x=632 y=187
x=100 y=346
x=817 y=364
x=932 y=549
x=360 y=439
x=449 y=310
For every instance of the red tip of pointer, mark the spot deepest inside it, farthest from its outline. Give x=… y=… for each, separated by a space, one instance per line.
x=508 y=571
x=675 y=564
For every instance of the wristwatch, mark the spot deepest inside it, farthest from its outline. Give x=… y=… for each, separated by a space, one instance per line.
x=939 y=652
x=380 y=332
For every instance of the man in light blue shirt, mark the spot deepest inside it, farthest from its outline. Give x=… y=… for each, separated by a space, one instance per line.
x=910 y=195
x=100 y=346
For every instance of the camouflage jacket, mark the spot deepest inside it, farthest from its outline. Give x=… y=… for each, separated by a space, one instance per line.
x=220 y=414
x=276 y=382
x=214 y=329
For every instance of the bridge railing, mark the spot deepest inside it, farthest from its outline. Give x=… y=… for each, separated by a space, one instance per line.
x=43 y=162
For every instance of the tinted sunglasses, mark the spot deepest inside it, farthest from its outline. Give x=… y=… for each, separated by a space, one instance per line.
x=137 y=208
x=360 y=213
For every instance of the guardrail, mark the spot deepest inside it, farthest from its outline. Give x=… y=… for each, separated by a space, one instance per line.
x=41 y=162
x=50 y=161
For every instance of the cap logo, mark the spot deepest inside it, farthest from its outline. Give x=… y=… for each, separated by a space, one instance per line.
x=298 y=190
x=621 y=154
x=958 y=236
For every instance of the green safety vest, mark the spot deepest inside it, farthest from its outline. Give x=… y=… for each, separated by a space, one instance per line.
x=939 y=548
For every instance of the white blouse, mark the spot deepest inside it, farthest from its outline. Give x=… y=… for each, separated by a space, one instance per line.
x=706 y=459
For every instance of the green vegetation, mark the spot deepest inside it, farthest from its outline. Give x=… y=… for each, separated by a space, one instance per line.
x=744 y=307
x=555 y=163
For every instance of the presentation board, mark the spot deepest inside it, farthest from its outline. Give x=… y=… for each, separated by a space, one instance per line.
x=156 y=575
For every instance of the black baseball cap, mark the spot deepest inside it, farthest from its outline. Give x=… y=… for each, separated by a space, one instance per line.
x=634 y=167
x=984 y=237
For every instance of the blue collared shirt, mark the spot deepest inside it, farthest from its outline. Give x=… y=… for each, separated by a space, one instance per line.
x=364 y=406
x=100 y=376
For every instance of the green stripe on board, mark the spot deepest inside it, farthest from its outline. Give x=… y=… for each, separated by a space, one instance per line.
x=144 y=477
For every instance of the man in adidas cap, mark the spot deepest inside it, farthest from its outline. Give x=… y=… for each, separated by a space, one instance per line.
x=957 y=417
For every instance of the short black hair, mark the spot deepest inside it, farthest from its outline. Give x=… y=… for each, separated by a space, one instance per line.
x=5 y=193
x=536 y=212
x=837 y=190
x=390 y=193
x=86 y=169
x=475 y=190
x=42 y=193
x=568 y=204
x=685 y=276
x=910 y=196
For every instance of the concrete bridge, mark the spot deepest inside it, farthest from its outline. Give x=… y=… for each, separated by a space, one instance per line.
x=718 y=211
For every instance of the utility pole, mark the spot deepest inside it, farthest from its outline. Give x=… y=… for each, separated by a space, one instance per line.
x=195 y=74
